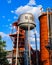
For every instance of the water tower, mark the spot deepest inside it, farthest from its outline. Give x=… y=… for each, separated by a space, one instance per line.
x=26 y=22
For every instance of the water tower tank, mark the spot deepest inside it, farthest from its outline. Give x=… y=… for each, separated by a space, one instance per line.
x=25 y=20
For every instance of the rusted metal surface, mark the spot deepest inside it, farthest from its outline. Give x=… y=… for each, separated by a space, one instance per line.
x=44 y=54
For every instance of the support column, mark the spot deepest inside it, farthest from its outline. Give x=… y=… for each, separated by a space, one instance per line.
x=17 y=47
x=26 y=49
x=36 y=49
x=29 y=44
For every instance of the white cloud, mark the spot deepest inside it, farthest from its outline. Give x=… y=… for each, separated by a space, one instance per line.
x=15 y=17
x=37 y=33
x=9 y=1
x=3 y=16
x=32 y=36
x=32 y=39
x=8 y=40
x=6 y=26
x=29 y=8
x=3 y=35
x=9 y=19
x=12 y=11
x=10 y=28
x=38 y=39
x=33 y=44
x=10 y=24
x=32 y=2
x=33 y=32
x=36 y=11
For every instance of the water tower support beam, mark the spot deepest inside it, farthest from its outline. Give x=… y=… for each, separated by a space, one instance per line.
x=17 y=47
x=29 y=44
x=26 y=49
x=36 y=48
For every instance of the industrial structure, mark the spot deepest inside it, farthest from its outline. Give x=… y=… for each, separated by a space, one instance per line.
x=23 y=53
x=46 y=38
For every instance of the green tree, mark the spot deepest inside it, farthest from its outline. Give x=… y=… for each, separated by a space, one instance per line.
x=3 y=53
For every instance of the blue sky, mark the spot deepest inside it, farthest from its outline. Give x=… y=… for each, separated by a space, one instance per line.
x=11 y=9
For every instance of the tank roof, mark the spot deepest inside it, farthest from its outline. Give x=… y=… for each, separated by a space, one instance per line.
x=45 y=13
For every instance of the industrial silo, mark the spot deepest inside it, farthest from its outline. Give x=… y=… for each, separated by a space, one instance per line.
x=44 y=37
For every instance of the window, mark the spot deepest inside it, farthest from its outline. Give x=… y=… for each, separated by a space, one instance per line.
x=31 y=18
x=26 y=17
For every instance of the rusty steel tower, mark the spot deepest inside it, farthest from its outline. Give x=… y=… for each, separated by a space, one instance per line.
x=46 y=37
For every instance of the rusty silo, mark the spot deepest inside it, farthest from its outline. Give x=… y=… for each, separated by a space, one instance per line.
x=44 y=53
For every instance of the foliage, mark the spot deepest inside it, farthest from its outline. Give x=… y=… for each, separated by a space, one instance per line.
x=3 y=53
